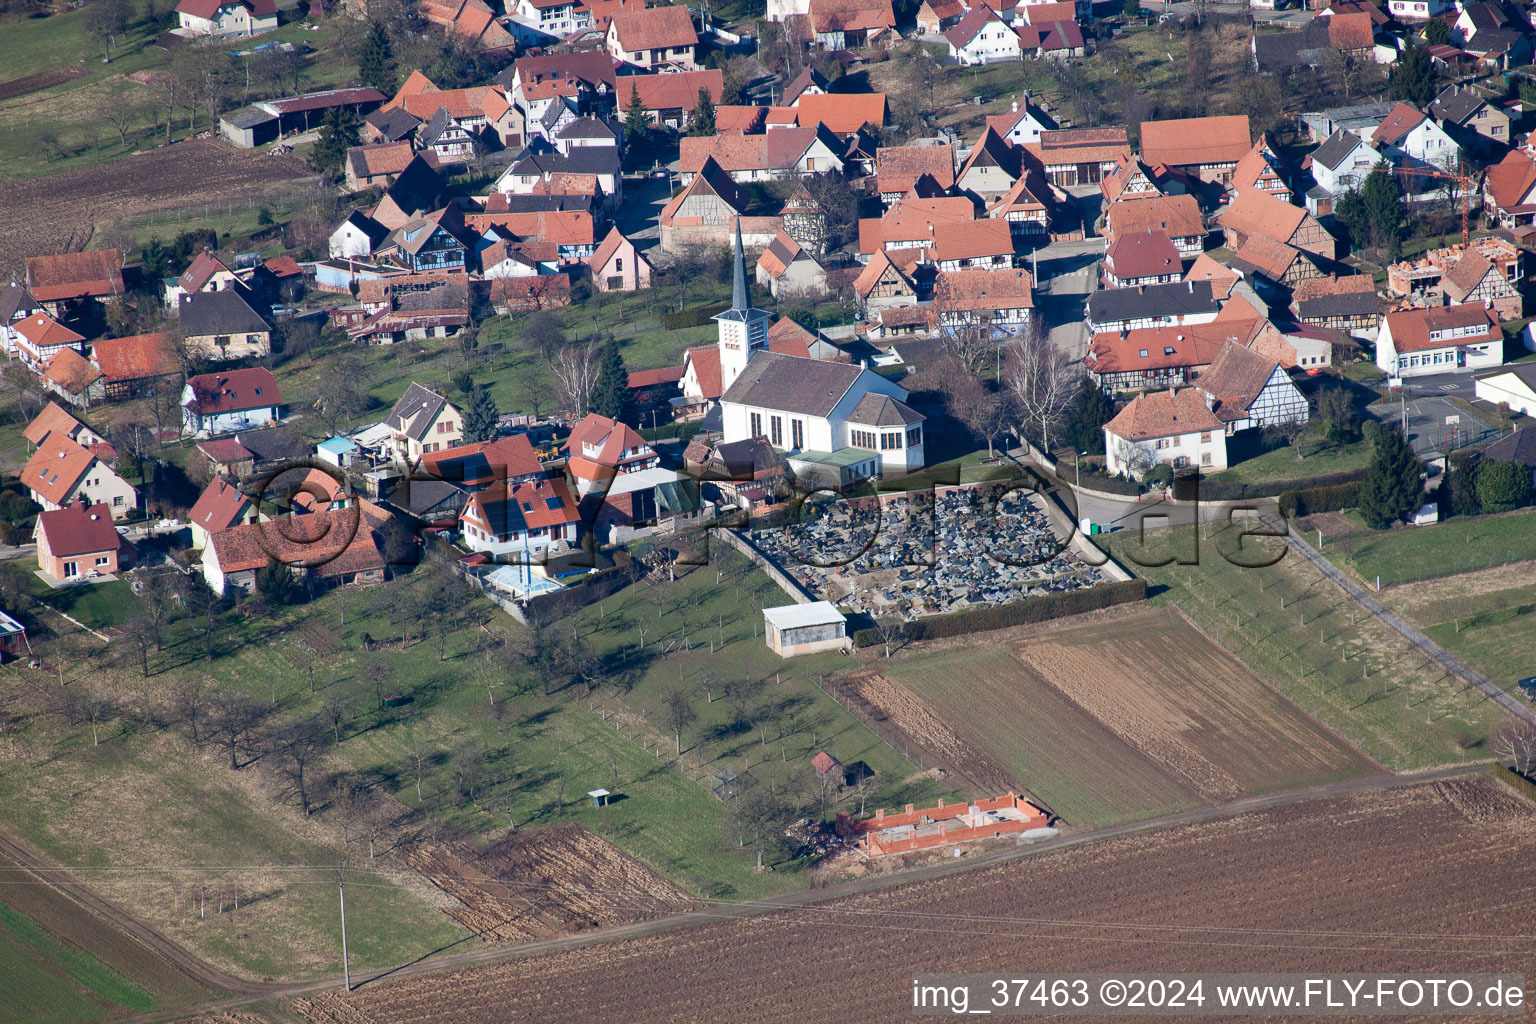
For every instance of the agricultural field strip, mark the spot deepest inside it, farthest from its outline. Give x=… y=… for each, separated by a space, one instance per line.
x=811 y=899
x=1084 y=911
x=1418 y=639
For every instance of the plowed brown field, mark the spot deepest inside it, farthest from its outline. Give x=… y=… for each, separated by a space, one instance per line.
x=547 y=882
x=1108 y=718
x=61 y=211
x=1392 y=881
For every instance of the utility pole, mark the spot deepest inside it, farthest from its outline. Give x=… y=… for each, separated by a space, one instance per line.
x=341 y=888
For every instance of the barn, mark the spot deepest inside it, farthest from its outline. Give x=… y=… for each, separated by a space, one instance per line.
x=793 y=629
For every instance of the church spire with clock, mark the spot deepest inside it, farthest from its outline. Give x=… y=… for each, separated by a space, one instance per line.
x=743 y=327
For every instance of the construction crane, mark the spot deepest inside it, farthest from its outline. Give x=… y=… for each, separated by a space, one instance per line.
x=1462 y=178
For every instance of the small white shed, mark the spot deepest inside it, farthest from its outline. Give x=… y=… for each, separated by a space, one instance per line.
x=793 y=629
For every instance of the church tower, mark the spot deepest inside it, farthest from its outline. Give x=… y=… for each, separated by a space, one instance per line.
x=743 y=327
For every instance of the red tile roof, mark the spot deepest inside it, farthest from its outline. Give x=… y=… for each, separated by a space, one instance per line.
x=676 y=91
x=70 y=371
x=897 y=168
x=1143 y=254
x=651 y=378
x=502 y=458
x=53 y=419
x=851 y=15
x=75 y=275
x=1510 y=180
x=332 y=542
x=219 y=507
x=79 y=530
x=1164 y=414
x=976 y=239
x=1411 y=328
x=842 y=113
x=1175 y=216
x=1254 y=212
x=654 y=28
x=200 y=271
x=1401 y=120
x=43 y=331
x=233 y=391
x=1196 y=140
x=55 y=468
x=225 y=450
x=135 y=357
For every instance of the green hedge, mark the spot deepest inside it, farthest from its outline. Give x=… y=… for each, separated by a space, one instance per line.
x=1310 y=500
x=1212 y=490
x=1019 y=613
x=698 y=316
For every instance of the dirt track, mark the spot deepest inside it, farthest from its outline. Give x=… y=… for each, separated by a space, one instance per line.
x=60 y=212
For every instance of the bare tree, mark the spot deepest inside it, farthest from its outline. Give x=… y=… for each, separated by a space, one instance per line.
x=233 y=720
x=677 y=714
x=333 y=710
x=297 y=746
x=1041 y=380
x=684 y=264
x=575 y=368
x=964 y=333
x=188 y=703
x=891 y=631
x=1518 y=743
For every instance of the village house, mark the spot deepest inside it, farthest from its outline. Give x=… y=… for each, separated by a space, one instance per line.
x=804 y=220
x=911 y=224
x=885 y=284
x=416 y=191
x=520 y=519
x=1346 y=303
x=228 y=457
x=1509 y=190
x=780 y=153
x=981 y=37
x=554 y=18
x=1207 y=148
x=1132 y=179
x=670 y=100
x=67 y=283
x=653 y=38
x=1079 y=156
x=1470 y=119
x=226 y=19
x=1177 y=217
x=788 y=270
x=221 y=506
x=1341 y=164
x=850 y=24
x=1032 y=209
x=617 y=266
x=323 y=549
x=470 y=22
x=132 y=365
x=1248 y=390
x=1179 y=303
x=495 y=464
x=376 y=165
x=423 y=421
x=993 y=300
x=1273 y=265
x=1262 y=169
x=1141 y=257
x=599 y=449
x=79 y=543
x=539 y=173
x=1174 y=428
x=54 y=419
x=1417 y=10
x=843 y=114
x=1159 y=357
x=746 y=474
x=39 y=337
x=356 y=238
x=224 y=325
x=990 y=168
x=206 y=273
x=483 y=112
x=971 y=245
x=898 y=168
x=221 y=403
x=1259 y=213
x=429 y=243
x=62 y=471
x=1406 y=134
x=15 y=306
x=1055 y=40
x=73 y=378
x=1416 y=342
x=1024 y=123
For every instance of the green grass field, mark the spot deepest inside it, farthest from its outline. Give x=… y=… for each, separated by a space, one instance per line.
x=50 y=981
x=97 y=605
x=1306 y=638
x=1492 y=628
x=1410 y=554
x=1320 y=458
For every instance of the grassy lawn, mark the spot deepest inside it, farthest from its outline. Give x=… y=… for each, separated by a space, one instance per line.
x=1482 y=619
x=1303 y=636
x=98 y=605
x=1281 y=465
x=49 y=980
x=1409 y=554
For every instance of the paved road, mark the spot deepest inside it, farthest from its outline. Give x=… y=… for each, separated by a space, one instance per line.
x=1452 y=664
x=995 y=854
x=1068 y=272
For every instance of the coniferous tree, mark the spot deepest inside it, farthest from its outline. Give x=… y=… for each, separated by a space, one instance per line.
x=1091 y=409
x=637 y=123
x=1413 y=77
x=611 y=395
x=376 y=64
x=480 y=416
x=340 y=133
x=1392 y=489
x=1382 y=204
x=703 y=123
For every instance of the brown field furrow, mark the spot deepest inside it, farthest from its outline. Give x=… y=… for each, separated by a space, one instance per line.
x=550 y=881
x=61 y=211
x=1391 y=881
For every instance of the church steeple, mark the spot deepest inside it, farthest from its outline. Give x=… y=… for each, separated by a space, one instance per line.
x=743 y=328
x=739 y=275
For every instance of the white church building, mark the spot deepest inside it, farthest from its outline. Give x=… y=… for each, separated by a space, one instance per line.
x=836 y=423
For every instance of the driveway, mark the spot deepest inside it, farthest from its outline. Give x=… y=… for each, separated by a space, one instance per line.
x=1066 y=274
x=638 y=215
